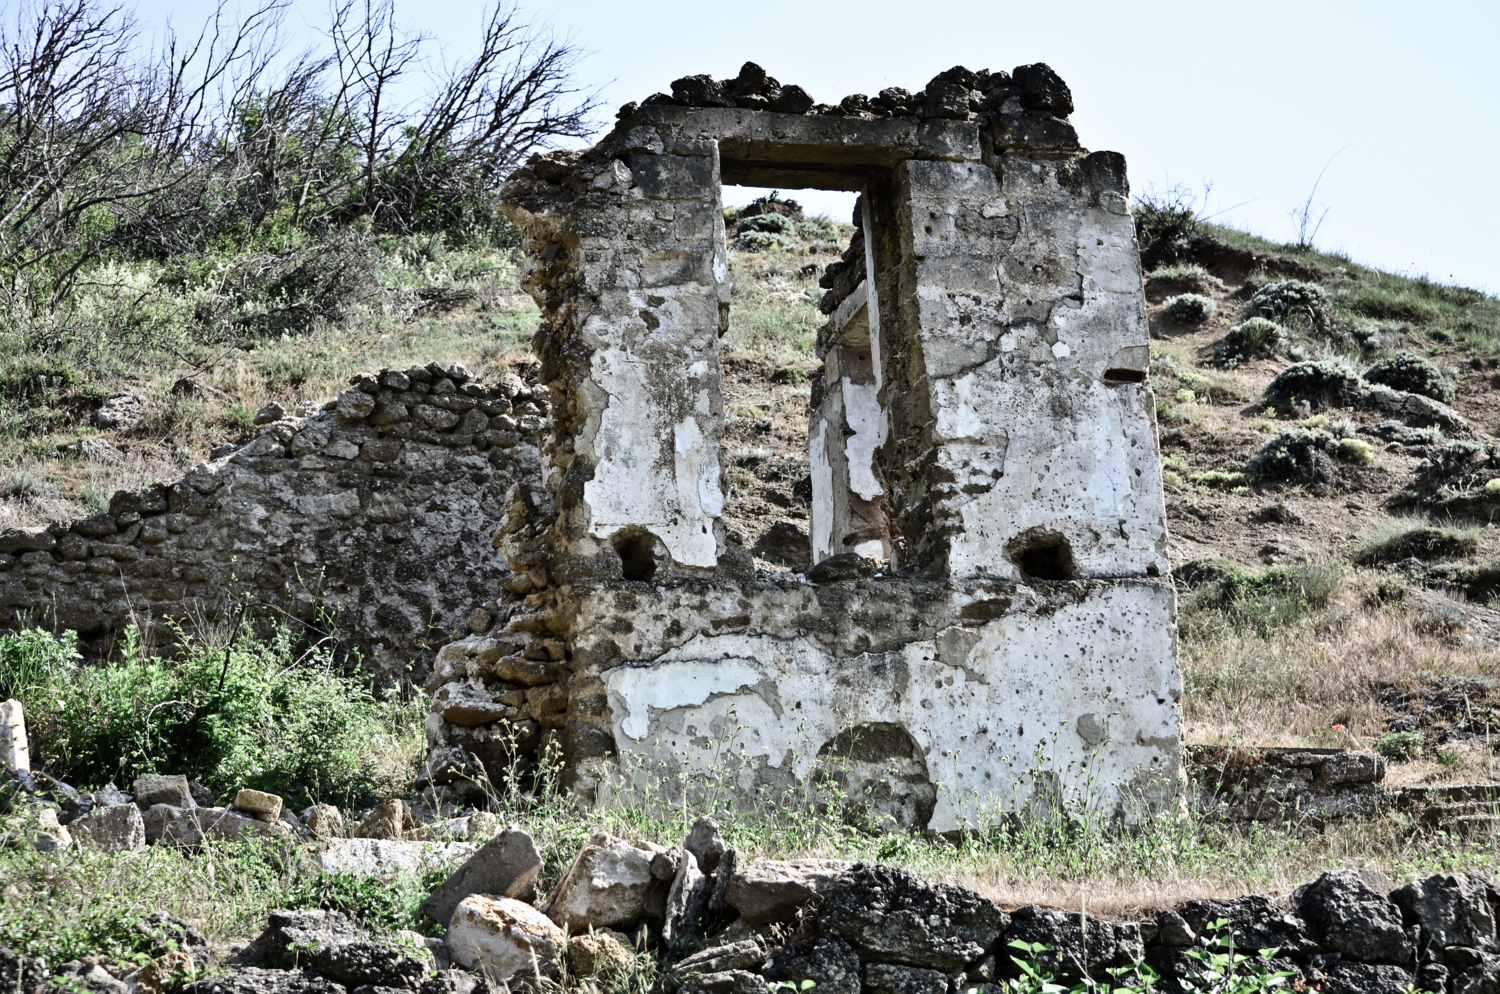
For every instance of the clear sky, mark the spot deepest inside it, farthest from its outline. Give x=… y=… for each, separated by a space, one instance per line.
x=1253 y=98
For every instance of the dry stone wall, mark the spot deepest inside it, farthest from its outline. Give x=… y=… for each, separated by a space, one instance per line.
x=368 y=518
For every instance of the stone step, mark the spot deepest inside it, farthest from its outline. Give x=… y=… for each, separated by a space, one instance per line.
x=1438 y=815
x=1473 y=826
x=1420 y=798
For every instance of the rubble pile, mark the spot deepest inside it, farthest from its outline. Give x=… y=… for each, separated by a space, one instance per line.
x=702 y=919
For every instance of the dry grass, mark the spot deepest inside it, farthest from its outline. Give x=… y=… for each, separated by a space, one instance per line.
x=39 y=483
x=1292 y=685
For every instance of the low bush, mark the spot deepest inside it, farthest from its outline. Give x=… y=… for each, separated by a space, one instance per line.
x=1250 y=339
x=1287 y=300
x=257 y=713
x=1165 y=224
x=1273 y=599
x=1322 y=383
x=771 y=224
x=761 y=241
x=1457 y=466
x=1190 y=308
x=1354 y=450
x=1413 y=374
x=1302 y=454
x=1404 y=540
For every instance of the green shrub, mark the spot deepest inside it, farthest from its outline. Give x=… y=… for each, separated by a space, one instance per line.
x=1413 y=374
x=818 y=229
x=374 y=903
x=1165 y=224
x=1355 y=450
x=1461 y=465
x=1322 y=383
x=1287 y=299
x=769 y=223
x=1273 y=599
x=257 y=714
x=1420 y=541
x=1190 y=308
x=761 y=241
x=1300 y=454
x=32 y=660
x=1249 y=339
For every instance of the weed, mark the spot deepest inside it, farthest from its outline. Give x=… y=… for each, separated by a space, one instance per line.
x=1287 y=299
x=1277 y=598
x=1250 y=339
x=1320 y=383
x=1452 y=759
x=1400 y=747
x=257 y=712
x=1165 y=224
x=1278 y=513
x=1399 y=539
x=375 y=903
x=1354 y=450
x=1297 y=454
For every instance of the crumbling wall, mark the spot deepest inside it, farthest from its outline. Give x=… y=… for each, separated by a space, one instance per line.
x=368 y=518
x=989 y=618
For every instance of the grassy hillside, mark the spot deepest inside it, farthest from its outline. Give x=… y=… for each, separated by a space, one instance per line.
x=1329 y=612
x=1323 y=612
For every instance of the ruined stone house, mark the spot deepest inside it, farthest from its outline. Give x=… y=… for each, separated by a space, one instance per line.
x=990 y=595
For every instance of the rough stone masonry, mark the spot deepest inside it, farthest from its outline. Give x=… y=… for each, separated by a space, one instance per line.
x=366 y=519
x=988 y=622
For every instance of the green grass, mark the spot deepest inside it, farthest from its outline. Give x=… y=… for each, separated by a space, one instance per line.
x=1403 y=538
x=1422 y=312
x=1277 y=598
x=249 y=711
x=773 y=308
x=52 y=378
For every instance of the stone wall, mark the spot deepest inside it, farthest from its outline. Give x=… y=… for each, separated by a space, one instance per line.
x=987 y=614
x=368 y=518
x=1314 y=786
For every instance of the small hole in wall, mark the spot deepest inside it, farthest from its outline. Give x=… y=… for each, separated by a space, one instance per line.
x=637 y=555
x=1043 y=555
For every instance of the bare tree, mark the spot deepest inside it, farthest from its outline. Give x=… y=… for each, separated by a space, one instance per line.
x=484 y=116
x=107 y=146
x=91 y=133
x=1302 y=216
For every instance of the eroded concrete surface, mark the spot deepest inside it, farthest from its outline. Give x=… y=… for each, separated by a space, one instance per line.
x=1084 y=693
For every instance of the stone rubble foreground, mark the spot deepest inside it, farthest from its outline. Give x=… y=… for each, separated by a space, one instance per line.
x=851 y=928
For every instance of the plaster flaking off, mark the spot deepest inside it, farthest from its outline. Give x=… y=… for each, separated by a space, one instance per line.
x=862 y=411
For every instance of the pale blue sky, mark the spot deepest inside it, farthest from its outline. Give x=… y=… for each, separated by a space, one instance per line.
x=1252 y=97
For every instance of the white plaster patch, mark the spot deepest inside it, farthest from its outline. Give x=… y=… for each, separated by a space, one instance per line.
x=696 y=468
x=985 y=722
x=1060 y=350
x=820 y=514
x=862 y=412
x=689 y=684
x=632 y=486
